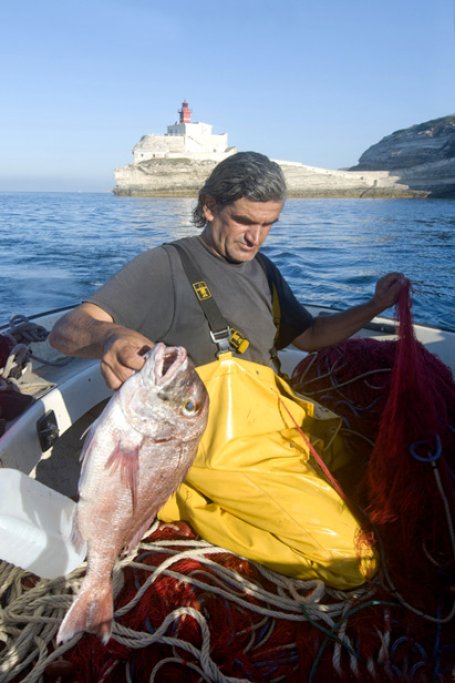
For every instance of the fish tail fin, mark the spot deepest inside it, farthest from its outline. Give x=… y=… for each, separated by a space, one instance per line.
x=92 y=611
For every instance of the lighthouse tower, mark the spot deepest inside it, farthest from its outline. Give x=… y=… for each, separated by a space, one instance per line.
x=185 y=113
x=184 y=139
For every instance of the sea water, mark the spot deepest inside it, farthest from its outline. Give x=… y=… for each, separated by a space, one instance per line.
x=57 y=248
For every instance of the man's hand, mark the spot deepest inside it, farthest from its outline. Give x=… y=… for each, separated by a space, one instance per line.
x=90 y=332
x=123 y=355
x=387 y=290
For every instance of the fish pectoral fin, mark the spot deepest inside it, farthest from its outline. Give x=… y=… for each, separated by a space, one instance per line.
x=92 y=611
x=127 y=462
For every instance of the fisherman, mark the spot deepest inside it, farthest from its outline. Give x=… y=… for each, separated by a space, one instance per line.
x=254 y=488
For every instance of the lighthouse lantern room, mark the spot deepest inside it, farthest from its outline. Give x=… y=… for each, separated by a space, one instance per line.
x=185 y=113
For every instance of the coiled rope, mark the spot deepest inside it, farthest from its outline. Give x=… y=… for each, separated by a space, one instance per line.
x=201 y=599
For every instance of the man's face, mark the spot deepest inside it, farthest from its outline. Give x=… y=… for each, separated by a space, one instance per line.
x=237 y=231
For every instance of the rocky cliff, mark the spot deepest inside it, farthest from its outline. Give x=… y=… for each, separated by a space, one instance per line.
x=422 y=156
x=184 y=177
x=424 y=143
x=162 y=177
x=415 y=162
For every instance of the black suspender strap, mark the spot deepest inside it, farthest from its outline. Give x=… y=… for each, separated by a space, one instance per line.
x=220 y=331
x=276 y=310
x=266 y=267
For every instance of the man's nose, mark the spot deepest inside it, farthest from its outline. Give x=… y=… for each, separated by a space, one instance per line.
x=253 y=234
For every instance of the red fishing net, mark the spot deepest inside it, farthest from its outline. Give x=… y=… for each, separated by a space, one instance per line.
x=397 y=401
x=194 y=621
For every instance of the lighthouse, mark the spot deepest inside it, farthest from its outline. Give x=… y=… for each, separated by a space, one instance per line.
x=185 y=113
x=183 y=140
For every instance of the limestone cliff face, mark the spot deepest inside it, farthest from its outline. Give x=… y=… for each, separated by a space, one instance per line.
x=184 y=177
x=163 y=177
x=422 y=156
x=309 y=181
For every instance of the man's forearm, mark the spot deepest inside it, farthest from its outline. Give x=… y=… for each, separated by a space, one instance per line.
x=90 y=332
x=78 y=334
x=332 y=329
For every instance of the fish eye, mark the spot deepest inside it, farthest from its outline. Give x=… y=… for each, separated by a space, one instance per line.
x=190 y=408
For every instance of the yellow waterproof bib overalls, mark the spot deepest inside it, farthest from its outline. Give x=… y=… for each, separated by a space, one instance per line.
x=254 y=489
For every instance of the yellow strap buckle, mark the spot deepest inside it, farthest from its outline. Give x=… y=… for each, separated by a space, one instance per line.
x=239 y=343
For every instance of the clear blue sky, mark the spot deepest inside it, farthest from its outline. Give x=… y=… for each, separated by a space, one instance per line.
x=316 y=81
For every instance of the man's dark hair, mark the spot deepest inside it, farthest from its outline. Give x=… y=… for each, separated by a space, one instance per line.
x=245 y=174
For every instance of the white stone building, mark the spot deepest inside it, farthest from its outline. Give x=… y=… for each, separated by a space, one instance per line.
x=183 y=139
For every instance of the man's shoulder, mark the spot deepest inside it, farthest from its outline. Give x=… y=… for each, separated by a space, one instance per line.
x=188 y=243
x=157 y=252
x=156 y=260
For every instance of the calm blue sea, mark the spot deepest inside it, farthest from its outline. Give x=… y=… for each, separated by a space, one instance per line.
x=56 y=248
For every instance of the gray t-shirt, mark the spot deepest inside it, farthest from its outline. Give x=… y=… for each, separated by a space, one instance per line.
x=153 y=295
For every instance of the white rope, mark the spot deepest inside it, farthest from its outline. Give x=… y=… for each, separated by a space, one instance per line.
x=30 y=617
x=243 y=585
x=135 y=640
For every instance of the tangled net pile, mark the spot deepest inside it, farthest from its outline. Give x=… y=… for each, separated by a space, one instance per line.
x=188 y=611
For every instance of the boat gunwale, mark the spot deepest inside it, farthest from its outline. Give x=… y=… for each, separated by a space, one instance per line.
x=323 y=309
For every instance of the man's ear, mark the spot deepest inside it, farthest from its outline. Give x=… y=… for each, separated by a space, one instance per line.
x=209 y=208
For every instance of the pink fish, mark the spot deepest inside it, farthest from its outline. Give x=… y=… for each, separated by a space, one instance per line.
x=134 y=457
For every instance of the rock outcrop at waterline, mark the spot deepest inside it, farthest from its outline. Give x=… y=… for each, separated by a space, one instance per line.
x=163 y=177
x=184 y=177
x=416 y=162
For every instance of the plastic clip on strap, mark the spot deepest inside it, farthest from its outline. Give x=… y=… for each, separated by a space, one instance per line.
x=221 y=339
x=220 y=332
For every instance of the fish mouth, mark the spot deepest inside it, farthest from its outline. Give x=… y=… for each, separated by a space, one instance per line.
x=169 y=360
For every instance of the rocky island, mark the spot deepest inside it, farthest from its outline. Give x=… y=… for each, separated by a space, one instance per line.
x=415 y=162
